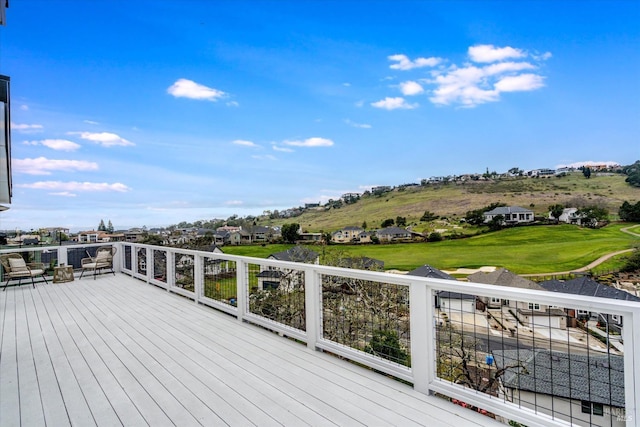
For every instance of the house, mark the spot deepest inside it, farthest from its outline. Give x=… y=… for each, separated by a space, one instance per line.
x=297 y=254
x=584 y=389
x=394 y=234
x=260 y=234
x=222 y=237
x=239 y=237
x=349 y=234
x=510 y=214
x=530 y=313
x=446 y=300
x=587 y=286
x=93 y=236
x=310 y=237
x=569 y=216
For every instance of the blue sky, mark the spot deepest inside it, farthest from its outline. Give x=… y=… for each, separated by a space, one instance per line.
x=154 y=112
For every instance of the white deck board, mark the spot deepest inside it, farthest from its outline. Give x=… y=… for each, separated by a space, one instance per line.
x=117 y=351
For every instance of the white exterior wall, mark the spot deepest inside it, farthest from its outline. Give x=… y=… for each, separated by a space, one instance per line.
x=544 y=404
x=454 y=304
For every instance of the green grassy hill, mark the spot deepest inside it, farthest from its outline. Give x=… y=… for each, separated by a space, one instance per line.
x=453 y=200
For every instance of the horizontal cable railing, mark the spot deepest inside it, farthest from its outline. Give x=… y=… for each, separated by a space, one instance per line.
x=534 y=357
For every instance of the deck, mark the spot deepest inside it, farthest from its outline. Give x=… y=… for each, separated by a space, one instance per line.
x=116 y=351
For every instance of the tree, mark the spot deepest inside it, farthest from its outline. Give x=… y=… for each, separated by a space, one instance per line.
x=556 y=211
x=290 y=232
x=591 y=215
x=385 y=343
x=387 y=223
x=110 y=227
x=364 y=225
x=586 y=171
x=434 y=237
x=629 y=212
x=632 y=263
x=102 y=227
x=496 y=223
x=428 y=216
x=401 y=221
x=633 y=174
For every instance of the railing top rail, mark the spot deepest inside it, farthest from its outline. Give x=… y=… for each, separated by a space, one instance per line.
x=589 y=303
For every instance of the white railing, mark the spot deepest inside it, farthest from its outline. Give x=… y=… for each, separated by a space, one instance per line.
x=314 y=296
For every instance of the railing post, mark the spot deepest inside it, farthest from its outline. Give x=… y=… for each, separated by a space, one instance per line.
x=171 y=269
x=63 y=259
x=198 y=279
x=241 y=288
x=149 y=261
x=631 y=337
x=117 y=260
x=312 y=305
x=422 y=335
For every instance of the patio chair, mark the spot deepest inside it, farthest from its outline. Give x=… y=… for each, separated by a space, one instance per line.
x=102 y=260
x=15 y=267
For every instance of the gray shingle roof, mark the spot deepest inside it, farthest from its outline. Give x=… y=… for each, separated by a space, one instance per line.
x=587 y=286
x=429 y=271
x=296 y=254
x=503 y=210
x=594 y=378
x=503 y=277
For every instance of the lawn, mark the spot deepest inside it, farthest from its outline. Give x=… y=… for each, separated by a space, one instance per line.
x=536 y=249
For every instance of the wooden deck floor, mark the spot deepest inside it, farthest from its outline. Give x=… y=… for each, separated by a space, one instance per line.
x=116 y=351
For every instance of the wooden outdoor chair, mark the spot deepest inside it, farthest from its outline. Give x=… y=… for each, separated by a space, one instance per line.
x=15 y=267
x=103 y=259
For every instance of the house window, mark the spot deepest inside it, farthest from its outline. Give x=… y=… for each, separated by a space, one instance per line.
x=497 y=300
x=592 y=408
x=534 y=306
x=615 y=318
x=598 y=409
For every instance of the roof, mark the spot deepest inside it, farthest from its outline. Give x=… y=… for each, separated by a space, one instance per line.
x=455 y=295
x=429 y=271
x=296 y=254
x=594 y=378
x=270 y=274
x=362 y=262
x=504 y=210
x=393 y=231
x=503 y=277
x=586 y=286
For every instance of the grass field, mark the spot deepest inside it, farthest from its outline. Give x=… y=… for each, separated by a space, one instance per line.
x=536 y=249
x=453 y=200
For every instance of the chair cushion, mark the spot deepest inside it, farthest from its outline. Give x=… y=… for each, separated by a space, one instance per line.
x=17 y=264
x=103 y=256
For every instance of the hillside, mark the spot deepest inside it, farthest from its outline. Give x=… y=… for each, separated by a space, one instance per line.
x=453 y=200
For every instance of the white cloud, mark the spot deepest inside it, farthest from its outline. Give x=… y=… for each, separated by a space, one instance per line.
x=26 y=128
x=90 y=122
x=106 y=139
x=245 y=143
x=310 y=142
x=490 y=53
x=77 y=186
x=402 y=62
x=357 y=125
x=44 y=166
x=56 y=144
x=63 y=194
x=184 y=88
x=410 y=88
x=393 y=103
x=282 y=149
x=522 y=82
x=234 y=202
x=24 y=107
x=265 y=157
x=505 y=67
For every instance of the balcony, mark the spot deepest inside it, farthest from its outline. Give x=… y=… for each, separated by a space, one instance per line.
x=186 y=337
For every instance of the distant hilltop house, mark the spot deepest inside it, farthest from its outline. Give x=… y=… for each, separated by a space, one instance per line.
x=510 y=214
x=541 y=172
